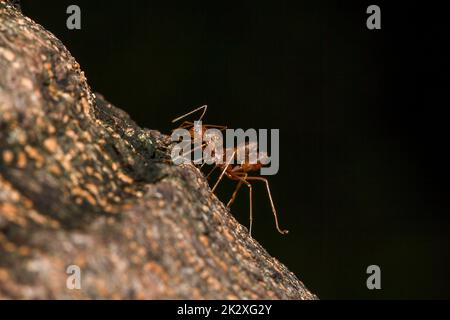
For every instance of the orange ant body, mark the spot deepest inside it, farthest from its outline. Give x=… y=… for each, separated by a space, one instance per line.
x=236 y=172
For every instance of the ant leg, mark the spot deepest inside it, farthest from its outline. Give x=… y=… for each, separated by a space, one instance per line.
x=215 y=167
x=251 y=207
x=271 y=202
x=213 y=126
x=196 y=148
x=223 y=172
x=185 y=125
x=235 y=193
x=188 y=153
x=250 y=190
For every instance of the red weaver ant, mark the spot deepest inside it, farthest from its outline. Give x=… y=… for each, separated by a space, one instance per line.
x=236 y=172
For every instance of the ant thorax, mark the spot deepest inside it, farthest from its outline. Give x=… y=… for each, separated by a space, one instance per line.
x=210 y=143
x=244 y=157
x=247 y=154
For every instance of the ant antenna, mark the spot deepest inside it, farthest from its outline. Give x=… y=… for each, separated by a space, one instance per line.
x=204 y=107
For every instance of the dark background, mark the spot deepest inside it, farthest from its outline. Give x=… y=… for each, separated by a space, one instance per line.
x=362 y=116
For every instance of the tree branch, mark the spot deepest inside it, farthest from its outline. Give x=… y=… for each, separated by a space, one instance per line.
x=81 y=184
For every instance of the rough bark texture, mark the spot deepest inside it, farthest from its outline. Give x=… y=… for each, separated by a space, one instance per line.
x=82 y=184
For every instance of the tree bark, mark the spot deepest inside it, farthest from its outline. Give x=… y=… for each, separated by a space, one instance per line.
x=81 y=184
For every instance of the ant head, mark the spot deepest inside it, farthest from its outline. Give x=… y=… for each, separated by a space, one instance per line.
x=213 y=137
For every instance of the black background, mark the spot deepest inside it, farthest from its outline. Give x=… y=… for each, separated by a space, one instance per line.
x=362 y=116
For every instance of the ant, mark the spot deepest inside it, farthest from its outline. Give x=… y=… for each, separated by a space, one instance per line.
x=237 y=172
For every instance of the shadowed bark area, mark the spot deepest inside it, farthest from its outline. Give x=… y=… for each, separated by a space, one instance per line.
x=81 y=184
